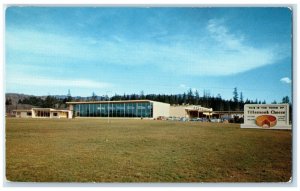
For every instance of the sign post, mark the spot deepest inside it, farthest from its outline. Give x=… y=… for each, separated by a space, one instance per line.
x=266 y=116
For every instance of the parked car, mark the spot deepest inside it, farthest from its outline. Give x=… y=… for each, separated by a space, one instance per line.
x=184 y=119
x=215 y=120
x=161 y=118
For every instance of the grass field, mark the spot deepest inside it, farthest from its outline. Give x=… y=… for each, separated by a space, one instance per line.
x=91 y=150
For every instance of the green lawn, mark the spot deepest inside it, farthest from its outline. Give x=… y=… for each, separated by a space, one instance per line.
x=91 y=150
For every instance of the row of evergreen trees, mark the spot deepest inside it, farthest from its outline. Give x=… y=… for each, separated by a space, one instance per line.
x=48 y=102
x=187 y=98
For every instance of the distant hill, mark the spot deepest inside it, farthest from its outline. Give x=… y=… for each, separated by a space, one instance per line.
x=14 y=97
x=10 y=108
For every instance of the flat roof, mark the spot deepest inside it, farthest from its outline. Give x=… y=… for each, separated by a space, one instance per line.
x=119 y=101
x=42 y=109
x=49 y=109
x=20 y=110
x=199 y=110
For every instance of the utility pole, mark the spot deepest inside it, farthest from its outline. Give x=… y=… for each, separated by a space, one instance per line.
x=108 y=108
x=108 y=111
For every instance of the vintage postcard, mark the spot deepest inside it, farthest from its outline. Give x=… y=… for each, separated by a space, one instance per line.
x=135 y=94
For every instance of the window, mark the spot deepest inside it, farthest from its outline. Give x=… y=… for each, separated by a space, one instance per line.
x=55 y=114
x=77 y=109
x=130 y=109
x=98 y=108
x=83 y=110
x=29 y=113
x=105 y=108
x=47 y=114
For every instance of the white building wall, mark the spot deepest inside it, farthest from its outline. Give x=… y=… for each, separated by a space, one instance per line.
x=70 y=114
x=24 y=114
x=178 y=111
x=60 y=114
x=32 y=113
x=71 y=107
x=52 y=116
x=17 y=114
x=161 y=109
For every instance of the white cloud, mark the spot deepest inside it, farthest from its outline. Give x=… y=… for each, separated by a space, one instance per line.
x=286 y=80
x=39 y=81
x=220 y=53
x=222 y=35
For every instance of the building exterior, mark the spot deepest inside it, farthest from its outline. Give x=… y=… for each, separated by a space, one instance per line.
x=120 y=109
x=128 y=109
x=190 y=111
x=42 y=113
x=228 y=114
x=22 y=113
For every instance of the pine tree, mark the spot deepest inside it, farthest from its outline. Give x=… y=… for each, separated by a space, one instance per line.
x=197 y=97
x=8 y=102
x=285 y=99
x=190 y=96
x=241 y=97
x=235 y=95
x=241 y=104
x=235 y=99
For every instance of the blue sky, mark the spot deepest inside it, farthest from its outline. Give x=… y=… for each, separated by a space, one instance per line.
x=156 y=50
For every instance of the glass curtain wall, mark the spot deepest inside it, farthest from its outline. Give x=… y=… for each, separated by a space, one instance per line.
x=144 y=109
